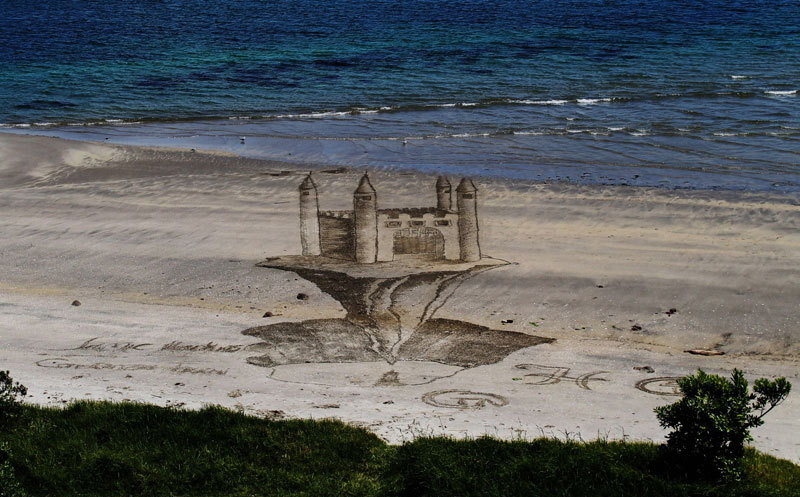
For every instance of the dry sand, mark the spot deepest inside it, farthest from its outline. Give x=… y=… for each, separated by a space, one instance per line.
x=160 y=247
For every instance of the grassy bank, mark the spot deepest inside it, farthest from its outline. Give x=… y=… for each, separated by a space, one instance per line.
x=103 y=449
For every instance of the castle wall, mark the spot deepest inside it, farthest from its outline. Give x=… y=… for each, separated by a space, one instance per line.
x=336 y=234
x=388 y=225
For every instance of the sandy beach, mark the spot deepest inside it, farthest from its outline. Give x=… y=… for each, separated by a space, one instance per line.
x=160 y=248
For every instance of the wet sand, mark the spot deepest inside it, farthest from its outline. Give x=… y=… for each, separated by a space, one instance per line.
x=160 y=247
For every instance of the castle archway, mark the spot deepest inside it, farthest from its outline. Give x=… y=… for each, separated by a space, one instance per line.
x=427 y=243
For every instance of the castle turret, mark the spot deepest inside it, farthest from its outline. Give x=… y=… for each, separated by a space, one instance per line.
x=443 y=199
x=309 y=217
x=467 y=203
x=365 y=222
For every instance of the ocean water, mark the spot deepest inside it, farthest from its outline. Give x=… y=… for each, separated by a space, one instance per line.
x=681 y=94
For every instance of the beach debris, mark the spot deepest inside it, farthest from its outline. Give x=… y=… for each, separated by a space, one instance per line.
x=179 y=384
x=76 y=303
x=326 y=406
x=534 y=323
x=507 y=321
x=234 y=394
x=671 y=311
x=302 y=296
x=389 y=402
x=705 y=352
x=600 y=286
x=636 y=327
x=242 y=139
x=268 y=314
x=645 y=369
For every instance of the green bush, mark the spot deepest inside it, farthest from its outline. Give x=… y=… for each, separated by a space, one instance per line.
x=712 y=422
x=10 y=405
x=11 y=394
x=9 y=486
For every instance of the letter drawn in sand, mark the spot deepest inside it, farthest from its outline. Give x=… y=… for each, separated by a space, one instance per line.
x=62 y=363
x=463 y=399
x=550 y=375
x=93 y=344
x=391 y=270
x=663 y=385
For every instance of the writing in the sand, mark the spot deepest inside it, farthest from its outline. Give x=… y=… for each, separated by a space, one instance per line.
x=95 y=344
x=174 y=346
x=550 y=375
x=64 y=363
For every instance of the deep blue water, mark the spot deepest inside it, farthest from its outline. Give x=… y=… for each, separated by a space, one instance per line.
x=676 y=93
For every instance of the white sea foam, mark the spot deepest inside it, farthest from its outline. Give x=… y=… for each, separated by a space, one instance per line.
x=312 y=115
x=640 y=132
x=615 y=128
x=469 y=135
x=539 y=102
x=591 y=101
x=782 y=93
x=721 y=133
x=528 y=133
x=737 y=76
x=113 y=120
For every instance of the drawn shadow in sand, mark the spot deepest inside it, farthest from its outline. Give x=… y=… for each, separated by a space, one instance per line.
x=390 y=335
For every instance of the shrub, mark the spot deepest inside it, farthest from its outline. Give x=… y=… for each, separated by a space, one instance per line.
x=712 y=422
x=10 y=398
x=9 y=487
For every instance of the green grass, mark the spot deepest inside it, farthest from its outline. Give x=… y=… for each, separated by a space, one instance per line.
x=105 y=449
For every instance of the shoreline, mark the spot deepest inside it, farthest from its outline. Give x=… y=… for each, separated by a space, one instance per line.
x=519 y=184
x=669 y=161
x=161 y=246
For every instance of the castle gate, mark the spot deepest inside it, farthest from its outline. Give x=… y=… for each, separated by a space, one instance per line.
x=424 y=242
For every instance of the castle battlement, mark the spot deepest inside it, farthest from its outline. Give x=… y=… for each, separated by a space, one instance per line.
x=368 y=234
x=337 y=214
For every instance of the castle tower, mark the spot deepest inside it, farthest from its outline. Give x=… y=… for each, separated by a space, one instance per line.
x=467 y=203
x=365 y=222
x=309 y=217
x=443 y=200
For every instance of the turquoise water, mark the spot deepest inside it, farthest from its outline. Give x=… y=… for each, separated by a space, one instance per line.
x=666 y=93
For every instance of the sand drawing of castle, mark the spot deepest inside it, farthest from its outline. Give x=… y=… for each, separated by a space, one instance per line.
x=368 y=235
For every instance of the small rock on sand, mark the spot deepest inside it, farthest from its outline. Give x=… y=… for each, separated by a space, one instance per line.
x=302 y=296
x=76 y=303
